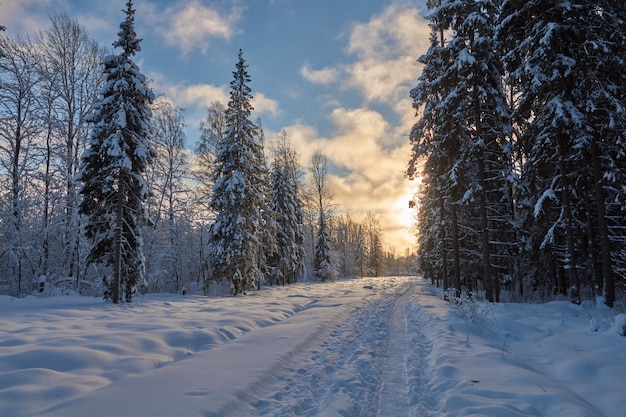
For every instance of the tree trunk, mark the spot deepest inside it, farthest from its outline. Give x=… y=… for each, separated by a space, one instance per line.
x=117 y=273
x=608 y=286
x=568 y=217
x=484 y=233
x=456 y=255
x=444 y=248
x=16 y=206
x=46 y=206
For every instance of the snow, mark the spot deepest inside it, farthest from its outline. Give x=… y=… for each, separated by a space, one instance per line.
x=363 y=347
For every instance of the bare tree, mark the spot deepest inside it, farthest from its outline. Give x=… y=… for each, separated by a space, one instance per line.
x=19 y=127
x=323 y=267
x=166 y=181
x=70 y=67
x=375 y=247
x=212 y=132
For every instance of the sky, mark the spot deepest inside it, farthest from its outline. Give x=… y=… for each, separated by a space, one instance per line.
x=335 y=75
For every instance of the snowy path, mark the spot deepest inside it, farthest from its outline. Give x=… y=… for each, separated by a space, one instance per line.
x=404 y=389
x=393 y=397
x=357 y=359
x=357 y=366
x=375 y=347
x=369 y=362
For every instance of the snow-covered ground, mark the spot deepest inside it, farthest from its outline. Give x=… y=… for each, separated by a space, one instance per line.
x=383 y=347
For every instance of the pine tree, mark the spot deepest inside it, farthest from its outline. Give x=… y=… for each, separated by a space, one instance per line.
x=114 y=164
x=237 y=198
x=436 y=141
x=360 y=251
x=374 y=246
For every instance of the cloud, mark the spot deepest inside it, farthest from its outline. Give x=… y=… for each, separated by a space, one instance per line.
x=25 y=16
x=202 y=95
x=196 y=98
x=387 y=48
x=264 y=105
x=365 y=175
x=195 y=94
x=369 y=153
x=190 y=25
x=323 y=76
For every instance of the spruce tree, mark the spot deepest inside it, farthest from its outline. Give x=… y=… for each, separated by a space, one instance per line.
x=289 y=258
x=478 y=102
x=234 y=238
x=565 y=61
x=268 y=225
x=114 y=165
x=461 y=137
x=437 y=141
x=323 y=264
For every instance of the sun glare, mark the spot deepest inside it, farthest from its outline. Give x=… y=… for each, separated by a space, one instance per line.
x=404 y=213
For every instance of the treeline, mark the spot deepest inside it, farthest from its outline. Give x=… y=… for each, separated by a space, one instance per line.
x=57 y=227
x=520 y=144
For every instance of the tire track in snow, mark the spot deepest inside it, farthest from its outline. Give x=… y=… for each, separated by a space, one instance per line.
x=393 y=395
x=332 y=373
x=367 y=364
x=405 y=389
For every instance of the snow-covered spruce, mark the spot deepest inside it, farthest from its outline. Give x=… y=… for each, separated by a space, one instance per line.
x=113 y=168
x=238 y=196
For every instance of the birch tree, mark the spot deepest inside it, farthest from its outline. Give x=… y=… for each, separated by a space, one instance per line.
x=19 y=129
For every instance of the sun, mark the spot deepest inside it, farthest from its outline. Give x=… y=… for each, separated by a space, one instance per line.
x=404 y=217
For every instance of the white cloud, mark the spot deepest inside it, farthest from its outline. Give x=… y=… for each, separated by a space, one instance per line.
x=202 y=95
x=196 y=94
x=265 y=105
x=26 y=16
x=190 y=25
x=323 y=76
x=387 y=48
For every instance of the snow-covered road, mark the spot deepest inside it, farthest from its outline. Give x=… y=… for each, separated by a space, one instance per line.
x=379 y=347
x=366 y=361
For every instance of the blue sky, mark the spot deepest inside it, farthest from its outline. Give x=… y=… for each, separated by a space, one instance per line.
x=334 y=74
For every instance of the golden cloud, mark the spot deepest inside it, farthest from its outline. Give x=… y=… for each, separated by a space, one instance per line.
x=365 y=176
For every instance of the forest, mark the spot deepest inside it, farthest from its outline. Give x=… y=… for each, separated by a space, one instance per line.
x=101 y=195
x=520 y=149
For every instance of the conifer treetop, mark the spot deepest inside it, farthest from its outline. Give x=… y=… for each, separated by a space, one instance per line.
x=128 y=40
x=240 y=94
